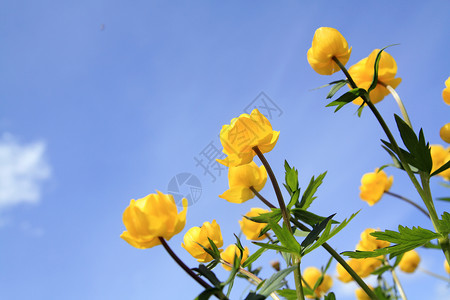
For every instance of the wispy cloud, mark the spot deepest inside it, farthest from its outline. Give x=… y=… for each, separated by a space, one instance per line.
x=22 y=170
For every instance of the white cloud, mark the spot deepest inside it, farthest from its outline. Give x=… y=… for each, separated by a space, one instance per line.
x=22 y=170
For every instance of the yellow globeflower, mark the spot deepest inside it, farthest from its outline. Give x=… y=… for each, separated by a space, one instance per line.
x=200 y=235
x=244 y=133
x=440 y=156
x=369 y=242
x=252 y=229
x=328 y=43
x=230 y=253
x=311 y=275
x=362 y=295
x=373 y=186
x=445 y=133
x=410 y=261
x=447 y=267
x=343 y=275
x=362 y=74
x=149 y=218
x=241 y=178
x=446 y=92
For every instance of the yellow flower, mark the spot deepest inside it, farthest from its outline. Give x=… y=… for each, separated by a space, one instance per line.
x=230 y=253
x=343 y=275
x=244 y=133
x=361 y=294
x=446 y=92
x=363 y=267
x=369 y=242
x=373 y=186
x=328 y=43
x=410 y=261
x=362 y=74
x=151 y=217
x=311 y=275
x=447 y=267
x=445 y=133
x=200 y=235
x=440 y=156
x=241 y=178
x=252 y=229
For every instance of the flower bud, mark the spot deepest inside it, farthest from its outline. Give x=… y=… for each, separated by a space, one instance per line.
x=373 y=186
x=200 y=235
x=230 y=253
x=445 y=133
x=409 y=262
x=328 y=43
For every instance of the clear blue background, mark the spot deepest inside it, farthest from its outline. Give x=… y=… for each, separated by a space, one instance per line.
x=126 y=93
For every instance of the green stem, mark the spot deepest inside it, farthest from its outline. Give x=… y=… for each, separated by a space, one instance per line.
x=408 y=201
x=424 y=190
x=276 y=187
x=434 y=275
x=330 y=250
x=298 y=281
x=203 y=283
x=251 y=276
x=398 y=284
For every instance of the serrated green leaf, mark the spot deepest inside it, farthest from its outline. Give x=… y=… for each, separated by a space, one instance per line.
x=419 y=151
x=444 y=224
x=274 y=215
x=336 y=87
x=275 y=282
x=328 y=233
x=308 y=195
x=316 y=230
x=294 y=199
x=285 y=237
x=253 y=257
x=405 y=239
x=308 y=217
x=346 y=98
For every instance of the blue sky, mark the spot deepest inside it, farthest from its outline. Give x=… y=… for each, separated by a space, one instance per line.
x=105 y=101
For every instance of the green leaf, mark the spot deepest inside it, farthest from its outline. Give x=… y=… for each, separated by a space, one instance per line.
x=254 y=257
x=441 y=169
x=288 y=294
x=375 y=71
x=444 y=224
x=336 y=87
x=274 y=215
x=328 y=234
x=285 y=237
x=381 y=270
x=396 y=161
x=405 y=240
x=275 y=282
x=346 y=98
x=206 y=294
x=317 y=229
x=308 y=217
x=444 y=199
x=254 y=296
x=419 y=150
x=208 y=274
x=308 y=195
x=360 y=110
x=272 y=247
x=330 y=296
